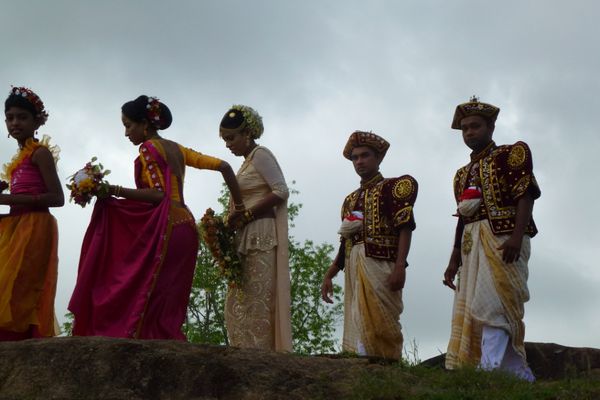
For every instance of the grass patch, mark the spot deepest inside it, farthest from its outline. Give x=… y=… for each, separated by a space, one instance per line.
x=418 y=382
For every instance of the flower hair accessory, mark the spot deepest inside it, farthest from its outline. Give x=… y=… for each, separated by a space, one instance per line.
x=34 y=99
x=153 y=111
x=253 y=120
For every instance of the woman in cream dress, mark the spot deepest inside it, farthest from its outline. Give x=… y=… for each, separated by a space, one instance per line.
x=257 y=314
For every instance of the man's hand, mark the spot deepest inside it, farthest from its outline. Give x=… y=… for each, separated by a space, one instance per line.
x=511 y=249
x=327 y=290
x=397 y=278
x=450 y=274
x=452 y=268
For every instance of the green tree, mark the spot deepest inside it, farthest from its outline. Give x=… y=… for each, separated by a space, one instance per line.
x=313 y=322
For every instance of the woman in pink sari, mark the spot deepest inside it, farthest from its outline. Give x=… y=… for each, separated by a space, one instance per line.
x=29 y=234
x=139 y=252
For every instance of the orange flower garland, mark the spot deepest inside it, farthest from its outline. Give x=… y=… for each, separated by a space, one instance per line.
x=220 y=240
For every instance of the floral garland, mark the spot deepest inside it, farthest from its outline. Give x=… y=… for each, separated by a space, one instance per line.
x=153 y=112
x=220 y=240
x=34 y=99
x=254 y=123
x=87 y=183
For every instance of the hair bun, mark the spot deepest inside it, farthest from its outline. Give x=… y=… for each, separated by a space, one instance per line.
x=150 y=109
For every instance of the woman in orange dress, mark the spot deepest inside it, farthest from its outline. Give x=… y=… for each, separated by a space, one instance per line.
x=139 y=253
x=29 y=233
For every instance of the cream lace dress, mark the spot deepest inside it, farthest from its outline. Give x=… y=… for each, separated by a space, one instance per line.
x=257 y=315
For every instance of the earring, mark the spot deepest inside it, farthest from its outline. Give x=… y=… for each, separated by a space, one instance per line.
x=248 y=141
x=145 y=133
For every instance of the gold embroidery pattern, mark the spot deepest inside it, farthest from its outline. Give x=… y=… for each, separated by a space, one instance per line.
x=521 y=186
x=517 y=156
x=350 y=203
x=402 y=216
x=402 y=189
x=467 y=243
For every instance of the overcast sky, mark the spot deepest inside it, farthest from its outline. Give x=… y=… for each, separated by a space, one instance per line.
x=316 y=71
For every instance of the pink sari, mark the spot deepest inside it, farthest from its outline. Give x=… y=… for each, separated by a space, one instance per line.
x=136 y=267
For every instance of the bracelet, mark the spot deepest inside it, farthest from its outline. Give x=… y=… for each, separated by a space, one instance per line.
x=118 y=190
x=248 y=215
x=239 y=207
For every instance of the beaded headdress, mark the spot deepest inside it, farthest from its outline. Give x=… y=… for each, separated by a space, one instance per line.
x=33 y=99
x=360 y=138
x=474 y=107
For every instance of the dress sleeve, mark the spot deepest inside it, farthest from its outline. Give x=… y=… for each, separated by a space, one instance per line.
x=265 y=164
x=403 y=196
x=198 y=160
x=520 y=176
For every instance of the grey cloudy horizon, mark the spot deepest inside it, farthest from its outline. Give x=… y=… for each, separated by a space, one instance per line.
x=316 y=71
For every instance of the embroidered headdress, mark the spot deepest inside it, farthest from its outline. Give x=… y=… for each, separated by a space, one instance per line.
x=474 y=107
x=29 y=100
x=240 y=118
x=360 y=138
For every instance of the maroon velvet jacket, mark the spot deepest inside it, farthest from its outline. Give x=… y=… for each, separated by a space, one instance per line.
x=504 y=174
x=387 y=205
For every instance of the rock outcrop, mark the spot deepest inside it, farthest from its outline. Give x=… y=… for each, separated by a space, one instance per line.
x=551 y=360
x=105 y=368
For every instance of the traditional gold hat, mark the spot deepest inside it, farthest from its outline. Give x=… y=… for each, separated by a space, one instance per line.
x=474 y=107
x=360 y=138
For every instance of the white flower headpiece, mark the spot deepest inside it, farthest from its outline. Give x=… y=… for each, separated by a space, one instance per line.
x=254 y=123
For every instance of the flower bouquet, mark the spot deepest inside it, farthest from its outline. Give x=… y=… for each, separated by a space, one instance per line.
x=220 y=240
x=88 y=182
x=3 y=186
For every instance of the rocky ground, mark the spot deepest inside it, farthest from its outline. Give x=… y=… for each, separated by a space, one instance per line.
x=104 y=368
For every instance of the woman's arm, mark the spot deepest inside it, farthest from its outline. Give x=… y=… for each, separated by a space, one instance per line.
x=147 y=195
x=53 y=197
x=202 y=161
x=231 y=182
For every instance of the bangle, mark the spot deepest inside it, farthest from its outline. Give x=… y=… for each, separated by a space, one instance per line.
x=118 y=190
x=248 y=215
x=239 y=207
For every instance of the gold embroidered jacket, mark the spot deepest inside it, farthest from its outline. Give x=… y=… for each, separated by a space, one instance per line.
x=504 y=174
x=387 y=205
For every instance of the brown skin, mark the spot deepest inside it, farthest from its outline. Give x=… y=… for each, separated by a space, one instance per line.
x=366 y=164
x=21 y=125
x=241 y=145
x=477 y=135
x=138 y=133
